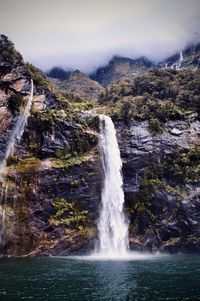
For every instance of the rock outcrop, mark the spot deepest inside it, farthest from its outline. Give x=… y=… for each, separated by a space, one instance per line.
x=163 y=206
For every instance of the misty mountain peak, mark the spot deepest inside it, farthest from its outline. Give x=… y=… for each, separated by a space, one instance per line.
x=119 y=68
x=59 y=73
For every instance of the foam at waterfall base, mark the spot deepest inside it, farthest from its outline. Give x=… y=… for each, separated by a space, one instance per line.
x=129 y=256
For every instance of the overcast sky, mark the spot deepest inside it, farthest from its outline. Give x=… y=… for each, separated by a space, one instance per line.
x=83 y=34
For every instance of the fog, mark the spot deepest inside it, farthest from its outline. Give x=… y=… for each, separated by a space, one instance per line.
x=86 y=34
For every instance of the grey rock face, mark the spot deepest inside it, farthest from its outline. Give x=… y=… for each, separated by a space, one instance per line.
x=177 y=220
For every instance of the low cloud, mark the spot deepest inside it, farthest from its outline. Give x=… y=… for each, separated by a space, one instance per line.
x=86 y=34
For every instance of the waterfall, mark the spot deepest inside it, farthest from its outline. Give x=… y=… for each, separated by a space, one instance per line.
x=2 y=228
x=18 y=130
x=178 y=64
x=181 y=57
x=112 y=225
x=180 y=60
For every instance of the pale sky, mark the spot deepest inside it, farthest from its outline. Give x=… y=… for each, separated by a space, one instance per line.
x=83 y=34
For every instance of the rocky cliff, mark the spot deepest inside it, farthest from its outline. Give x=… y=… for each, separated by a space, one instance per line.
x=161 y=184
x=50 y=189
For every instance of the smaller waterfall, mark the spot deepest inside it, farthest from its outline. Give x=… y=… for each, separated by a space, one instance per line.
x=2 y=228
x=180 y=60
x=112 y=225
x=18 y=130
x=181 y=56
x=178 y=64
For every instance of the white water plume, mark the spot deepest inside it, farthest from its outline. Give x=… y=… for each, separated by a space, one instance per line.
x=112 y=225
x=177 y=65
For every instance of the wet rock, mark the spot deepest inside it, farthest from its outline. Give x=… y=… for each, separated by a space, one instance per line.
x=168 y=222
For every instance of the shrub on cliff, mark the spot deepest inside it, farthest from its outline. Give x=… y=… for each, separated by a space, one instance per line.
x=38 y=76
x=8 y=52
x=157 y=94
x=15 y=103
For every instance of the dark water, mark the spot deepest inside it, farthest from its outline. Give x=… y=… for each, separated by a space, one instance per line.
x=165 y=278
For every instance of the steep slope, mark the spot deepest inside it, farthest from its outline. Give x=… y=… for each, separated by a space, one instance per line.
x=157 y=121
x=120 y=68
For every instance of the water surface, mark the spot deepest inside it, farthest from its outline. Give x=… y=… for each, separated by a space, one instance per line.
x=159 y=278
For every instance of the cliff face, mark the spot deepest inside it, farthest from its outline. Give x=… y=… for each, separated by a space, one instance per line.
x=50 y=190
x=51 y=185
x=157 y=120
x=161 y=185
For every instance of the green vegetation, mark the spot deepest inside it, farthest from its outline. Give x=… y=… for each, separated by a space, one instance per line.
x=68 y=213
x=170 y=176
x=73 y=107
x=49 y=115
x=155 y=125
x=183 y=167
x=15 y=103
x=158 y=95
x=38 y=76
x=26 y=166
x=70 y=160
x=8 y=52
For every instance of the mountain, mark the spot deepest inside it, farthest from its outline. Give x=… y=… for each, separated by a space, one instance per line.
x=120 y=68
x=59 y=73
x=80 y=85
x=189 y=58
x=50 y=188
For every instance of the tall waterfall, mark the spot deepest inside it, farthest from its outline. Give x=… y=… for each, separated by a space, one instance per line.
x=112 y=225
x=18 y=130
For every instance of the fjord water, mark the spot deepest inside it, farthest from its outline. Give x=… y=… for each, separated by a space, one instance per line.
x=112 y=224
x=175 y=278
